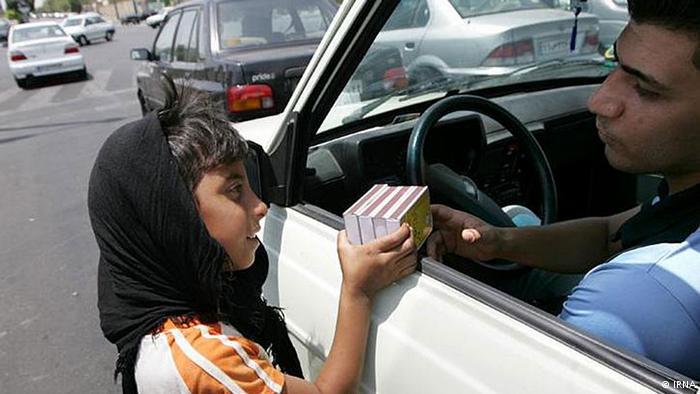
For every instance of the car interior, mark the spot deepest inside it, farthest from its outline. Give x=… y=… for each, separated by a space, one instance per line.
x=344 y=164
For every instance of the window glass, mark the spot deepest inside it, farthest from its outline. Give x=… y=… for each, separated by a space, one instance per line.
x=73 y=22
x=247 y=23
x=193 y=54
x=37 y=32
x=408 y=14
x=163 y=47
x=184 y=35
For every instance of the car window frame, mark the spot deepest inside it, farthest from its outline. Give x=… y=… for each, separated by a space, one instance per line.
x=175 y=13
x=183 y=11
x=300 y=128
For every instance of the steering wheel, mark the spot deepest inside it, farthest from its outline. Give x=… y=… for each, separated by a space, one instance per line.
x=462 y=192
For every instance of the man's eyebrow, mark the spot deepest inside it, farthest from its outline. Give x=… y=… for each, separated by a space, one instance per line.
x=642 y=76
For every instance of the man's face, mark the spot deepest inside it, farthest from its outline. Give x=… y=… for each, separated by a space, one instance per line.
x=648 y=109
x=231 y=211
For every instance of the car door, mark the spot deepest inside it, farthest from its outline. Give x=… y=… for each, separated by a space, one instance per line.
x=436 y=331
x=162 y=60
x=186 y=47
x=406 y=28
x=91 y=28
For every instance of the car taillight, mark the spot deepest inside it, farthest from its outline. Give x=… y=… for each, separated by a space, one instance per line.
x=395 y=79
x=512 y=53
x=71 y=49
x=591 y=42
x=243 y=98
x=17 y=56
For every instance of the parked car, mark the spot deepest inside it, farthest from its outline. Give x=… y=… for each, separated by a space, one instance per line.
x=4 y=30
x=42 y=49
x=156 y=19
x=132 y=18
x=88 y=27
x=447 y=328
x=248 y=54
x=496 y=37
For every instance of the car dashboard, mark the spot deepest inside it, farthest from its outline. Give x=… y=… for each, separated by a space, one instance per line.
x=341 y=170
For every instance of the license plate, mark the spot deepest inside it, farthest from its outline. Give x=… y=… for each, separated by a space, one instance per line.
x=554 y=47
x=48 y=67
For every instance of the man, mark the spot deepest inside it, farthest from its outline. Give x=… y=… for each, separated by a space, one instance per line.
x=642 y=292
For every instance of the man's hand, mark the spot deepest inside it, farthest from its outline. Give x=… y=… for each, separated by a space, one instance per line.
x=370 y=267
x=462 y=234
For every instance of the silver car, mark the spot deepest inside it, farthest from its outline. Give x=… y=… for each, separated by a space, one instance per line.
x=42 y=49
x=88 y=27
x=497 y=36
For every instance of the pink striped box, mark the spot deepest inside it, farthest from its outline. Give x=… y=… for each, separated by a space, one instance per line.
x=384 y=208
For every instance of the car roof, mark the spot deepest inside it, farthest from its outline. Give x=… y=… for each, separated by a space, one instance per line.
x=34 y=24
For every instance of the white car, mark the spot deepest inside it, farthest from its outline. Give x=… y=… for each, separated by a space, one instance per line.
x=88 y=27
x=155 y=20
x=42 y=49
x=447 y=328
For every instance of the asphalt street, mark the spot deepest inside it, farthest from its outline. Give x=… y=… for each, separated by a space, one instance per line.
x=50 y=339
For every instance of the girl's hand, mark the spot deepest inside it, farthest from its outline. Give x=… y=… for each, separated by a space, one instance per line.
x=370 y=267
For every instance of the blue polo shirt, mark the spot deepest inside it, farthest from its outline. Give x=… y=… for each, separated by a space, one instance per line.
x=646 y=300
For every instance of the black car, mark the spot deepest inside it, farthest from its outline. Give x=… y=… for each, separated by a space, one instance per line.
x=248 y=54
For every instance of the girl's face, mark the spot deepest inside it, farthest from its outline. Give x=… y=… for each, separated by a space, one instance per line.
x=231 y=211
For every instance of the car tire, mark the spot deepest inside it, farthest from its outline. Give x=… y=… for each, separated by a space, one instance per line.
x=22 y=83
x=109 y=35
x=82 y=74
x=82 y=40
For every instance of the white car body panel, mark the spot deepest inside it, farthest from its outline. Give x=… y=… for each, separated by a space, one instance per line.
x=425 y=336
x=44 y=56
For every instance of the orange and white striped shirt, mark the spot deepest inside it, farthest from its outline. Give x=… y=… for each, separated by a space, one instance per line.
x=204 y=358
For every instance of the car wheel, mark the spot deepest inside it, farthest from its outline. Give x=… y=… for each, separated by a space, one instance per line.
x=142 y=103
x=109 y=36
x=22 y=83
x=82 y=40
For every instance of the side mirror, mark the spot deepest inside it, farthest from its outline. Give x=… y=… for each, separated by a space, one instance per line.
x=141 y=54
x=259 y=171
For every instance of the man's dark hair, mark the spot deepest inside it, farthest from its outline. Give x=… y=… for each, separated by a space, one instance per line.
x=678 y=15
x=199 y=133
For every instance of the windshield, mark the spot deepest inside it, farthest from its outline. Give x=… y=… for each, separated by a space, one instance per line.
x=428 y=48
x=37 y=32
x=247 y=23
x=73 y=22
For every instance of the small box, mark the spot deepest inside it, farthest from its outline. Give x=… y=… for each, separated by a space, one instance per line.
x=384 y=208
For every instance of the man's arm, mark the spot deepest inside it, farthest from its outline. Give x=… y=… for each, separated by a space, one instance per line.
x=574 y=246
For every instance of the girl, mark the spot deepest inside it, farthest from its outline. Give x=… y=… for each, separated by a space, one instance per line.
x=180 y=271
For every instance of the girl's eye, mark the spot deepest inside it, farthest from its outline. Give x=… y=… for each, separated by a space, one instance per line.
x=235 y=190
x=644 y=92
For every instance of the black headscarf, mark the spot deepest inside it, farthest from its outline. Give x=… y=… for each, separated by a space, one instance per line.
x=663 y=219
x=157 y=259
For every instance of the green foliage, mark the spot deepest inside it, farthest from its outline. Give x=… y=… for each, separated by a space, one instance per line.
x=12 y=14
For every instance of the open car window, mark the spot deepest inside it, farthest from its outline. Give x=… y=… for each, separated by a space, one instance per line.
x=427 y=48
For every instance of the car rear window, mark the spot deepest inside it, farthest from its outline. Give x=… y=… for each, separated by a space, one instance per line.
x=36 y=33
x=468 y=8
x=72 y=22
x=245 y=23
